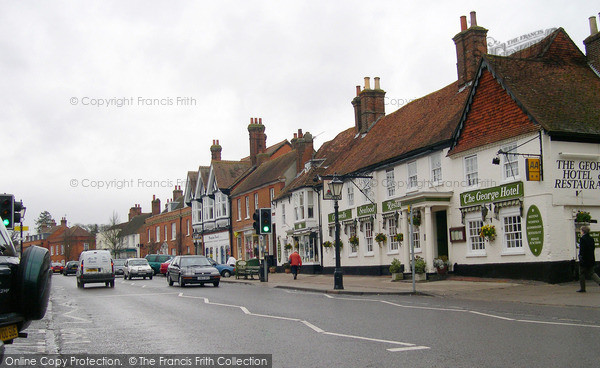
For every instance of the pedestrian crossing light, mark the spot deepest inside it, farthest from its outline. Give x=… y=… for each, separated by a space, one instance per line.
x=265 y=221
x=6 y=210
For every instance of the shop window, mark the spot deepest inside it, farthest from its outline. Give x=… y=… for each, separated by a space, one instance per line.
x=513 y=232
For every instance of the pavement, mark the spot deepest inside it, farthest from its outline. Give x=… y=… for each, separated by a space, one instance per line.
x=472 y=288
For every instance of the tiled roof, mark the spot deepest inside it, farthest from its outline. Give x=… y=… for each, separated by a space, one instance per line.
x=228 y=172
x=424 y=123
x=305 y=179
x=554 y=89
x=77 y=231
x=135 y=224
x=270 y=150
x=268 y=172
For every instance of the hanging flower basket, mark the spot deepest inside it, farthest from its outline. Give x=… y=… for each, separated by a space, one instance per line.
x=583 y=216
x=488 y=232
x=327 y=245
x=353 y=240
x=287 y=246
x=417 y=219
x=380 y=238
x=399 y=237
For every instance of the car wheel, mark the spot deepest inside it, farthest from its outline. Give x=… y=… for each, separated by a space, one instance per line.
x=169 y=280
x=150 y=277
x=144 y=277
x=34 y=282
x=226 y=273
x=181 y=283
x=216 y=283
x=106 y=284
x=112 y=284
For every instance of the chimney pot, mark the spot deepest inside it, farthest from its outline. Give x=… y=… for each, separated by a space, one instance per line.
x=299 y=133
x=217 y=142
x=473 y=19
x=377 y=83
x=367 y=83
x=357 y=91
x=260 y=121
x=463 y=23
x=295 y=135
x=593 y=26
x=153 y=196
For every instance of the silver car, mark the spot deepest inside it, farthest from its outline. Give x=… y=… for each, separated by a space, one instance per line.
x=137 y=267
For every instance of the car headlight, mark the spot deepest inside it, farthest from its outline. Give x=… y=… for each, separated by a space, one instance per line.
x=187 y=272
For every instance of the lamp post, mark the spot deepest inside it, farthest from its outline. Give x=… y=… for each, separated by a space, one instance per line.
x=336 y=186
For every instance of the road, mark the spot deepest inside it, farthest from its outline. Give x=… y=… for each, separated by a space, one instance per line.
x=302 y=329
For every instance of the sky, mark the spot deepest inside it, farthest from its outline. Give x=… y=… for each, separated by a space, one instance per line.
x=106 y=104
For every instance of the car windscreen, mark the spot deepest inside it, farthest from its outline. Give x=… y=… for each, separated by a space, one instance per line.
x=195 y=261
x=138 y=262
x=118 y=262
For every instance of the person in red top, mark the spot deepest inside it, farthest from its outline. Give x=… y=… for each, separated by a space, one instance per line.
x=295 y=262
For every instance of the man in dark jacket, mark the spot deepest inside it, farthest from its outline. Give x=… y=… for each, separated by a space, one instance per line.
x=587 y=259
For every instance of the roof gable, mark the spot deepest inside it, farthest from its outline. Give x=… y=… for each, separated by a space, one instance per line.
x=224 y=174
x=268 y=172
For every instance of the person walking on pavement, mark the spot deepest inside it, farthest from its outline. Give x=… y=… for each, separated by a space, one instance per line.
x=295 y=262
x=587 y=259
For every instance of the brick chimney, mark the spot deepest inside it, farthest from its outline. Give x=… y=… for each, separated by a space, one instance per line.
x=471 y=45
x=155 y=205
x=63 y=222
x=215 y=151
x=592 y=45
x=369 y=105
x=258 y=138
x=177 y=192
x=303 y=145
x=136 y=210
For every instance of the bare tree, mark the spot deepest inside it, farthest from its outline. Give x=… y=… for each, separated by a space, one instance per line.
x=112 y=235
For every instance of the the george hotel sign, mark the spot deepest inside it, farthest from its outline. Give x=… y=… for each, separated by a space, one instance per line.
x=494 y=194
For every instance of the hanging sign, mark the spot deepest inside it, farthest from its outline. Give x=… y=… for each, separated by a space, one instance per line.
x=532 y=166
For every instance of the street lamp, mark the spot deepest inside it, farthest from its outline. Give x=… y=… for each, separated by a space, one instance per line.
x=335 y=186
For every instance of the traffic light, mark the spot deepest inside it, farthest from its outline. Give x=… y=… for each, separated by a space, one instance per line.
x=256 y=223
x=265 y=221
x=17 y=208
x=6 y=210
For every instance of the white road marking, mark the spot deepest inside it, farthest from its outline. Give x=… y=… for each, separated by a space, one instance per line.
x=492 y=316
x=409 y=348
x=558 y=323
x=306 y=323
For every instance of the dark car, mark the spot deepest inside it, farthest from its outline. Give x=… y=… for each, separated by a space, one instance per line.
x=192 y=270
x=25 y=286
x=155 y=260
x=70 y=268
x=224 y=269
x=119 y=264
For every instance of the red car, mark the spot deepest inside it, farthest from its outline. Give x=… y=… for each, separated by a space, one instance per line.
x=57 y=267
x=164 y=266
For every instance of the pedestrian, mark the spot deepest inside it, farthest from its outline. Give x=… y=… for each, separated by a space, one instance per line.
x=587 y=259
x=231 y=261
x=295 y=262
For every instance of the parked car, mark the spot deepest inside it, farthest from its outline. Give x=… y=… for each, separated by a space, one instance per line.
x=165 y=266
x=224 y=269
x=95 y=266
x=70 y=268
x=119 y=265
x=25 y=285
x=192 y=270
x=137 y=267
x=155 y=260
x=57 y=267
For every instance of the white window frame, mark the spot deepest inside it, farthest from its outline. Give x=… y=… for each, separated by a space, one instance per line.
x=310 y=204
x=271 y=194
x=158 y=233
x=188 y=226
x=350 y=190
x=368 y=237
x=471 y=171
x=393 y=247
x=173 y=231
x=417 y=238
x=510 y=160
x=435 y=161
x=255 y=201
x=390 y=182
x=239 y=209
x=283 y=213
x=247 y=207
x=224 y=211
x=353 y=250
x=412 y=178
x=506 y=213
x=475 y=244
x=166 y=235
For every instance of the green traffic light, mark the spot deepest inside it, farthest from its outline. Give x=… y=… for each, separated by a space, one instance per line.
x=265 y=229
x=6 y=222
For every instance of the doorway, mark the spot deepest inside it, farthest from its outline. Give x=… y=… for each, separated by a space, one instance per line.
x=442 y=233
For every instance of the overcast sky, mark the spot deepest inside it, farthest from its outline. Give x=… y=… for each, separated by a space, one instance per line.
x=295 y=64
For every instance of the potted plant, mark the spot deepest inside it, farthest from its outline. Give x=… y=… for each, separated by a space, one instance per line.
x=380 y=238
x=287 y=267
x=327 y=245
x=397 y=270
x=287 y=246
x=441 y=265
x=488 y=232
x=417 y=219
x=353 y=240
x=420 y=267
x=399 y=237
x=582 y=218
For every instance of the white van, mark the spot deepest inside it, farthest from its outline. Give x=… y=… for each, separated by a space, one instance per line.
x=95 y=266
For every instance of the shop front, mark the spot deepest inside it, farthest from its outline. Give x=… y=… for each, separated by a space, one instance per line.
x=216 y=246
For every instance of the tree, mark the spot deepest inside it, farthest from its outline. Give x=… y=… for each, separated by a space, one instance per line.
x=92 y=228
x=112 y=235
x=43 y=221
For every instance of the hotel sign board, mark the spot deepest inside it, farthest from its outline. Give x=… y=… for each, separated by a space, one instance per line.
x=494 y=194
x=534 y=227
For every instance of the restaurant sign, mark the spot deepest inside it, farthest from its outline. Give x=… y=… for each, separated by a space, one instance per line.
x=391 y=205
x=342 y=215
x=494 y=194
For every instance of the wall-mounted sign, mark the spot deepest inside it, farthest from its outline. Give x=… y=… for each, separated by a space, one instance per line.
x=532 y=168
x=367 y=209
x=594 y=234
x=578 y=175
x=300 y=225
x=494 y=194
x=534 y=227
x=342 y=215
x=391 y=205
x=457 y=234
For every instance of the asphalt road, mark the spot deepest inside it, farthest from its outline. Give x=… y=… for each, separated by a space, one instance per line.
x=303 y=329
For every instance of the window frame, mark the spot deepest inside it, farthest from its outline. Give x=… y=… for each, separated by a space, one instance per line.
x=390 y=182
x=508 y=213
x=436 y=166
x=510 y=160
x=473 y=234
x=412 y=177
x=470 y=174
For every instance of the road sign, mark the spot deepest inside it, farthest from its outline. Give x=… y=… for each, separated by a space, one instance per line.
x=18 y=228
